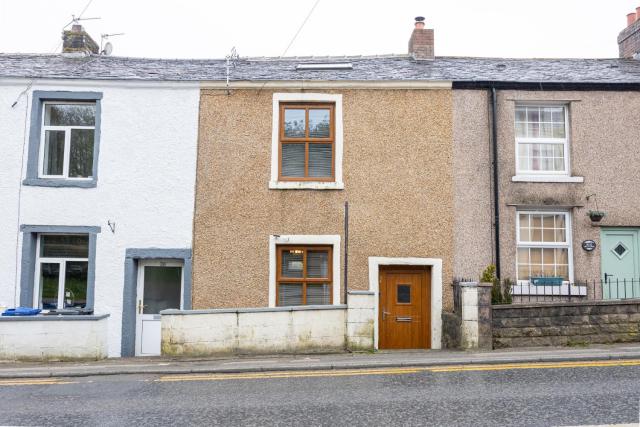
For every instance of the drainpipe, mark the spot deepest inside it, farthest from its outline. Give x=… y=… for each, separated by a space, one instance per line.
x=496 y=206
x=346 y=250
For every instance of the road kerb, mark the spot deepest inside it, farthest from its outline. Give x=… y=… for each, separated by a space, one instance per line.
x=86 y=371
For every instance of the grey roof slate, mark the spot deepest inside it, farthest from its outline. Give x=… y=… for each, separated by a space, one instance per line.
x=372 y=68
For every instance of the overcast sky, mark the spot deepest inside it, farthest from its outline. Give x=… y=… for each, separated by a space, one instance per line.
x=209 y=29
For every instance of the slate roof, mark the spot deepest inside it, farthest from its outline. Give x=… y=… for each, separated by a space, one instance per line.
x=372 y=68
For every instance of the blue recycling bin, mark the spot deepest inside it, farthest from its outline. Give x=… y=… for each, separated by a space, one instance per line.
x=21 y=311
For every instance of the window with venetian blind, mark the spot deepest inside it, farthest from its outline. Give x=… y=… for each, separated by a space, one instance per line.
x=307 y=142
x=304 y=275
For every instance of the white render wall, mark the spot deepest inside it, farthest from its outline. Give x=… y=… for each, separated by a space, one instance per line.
x=146 y=181
x=257 y=330
x=47 y=339
x=469 y=327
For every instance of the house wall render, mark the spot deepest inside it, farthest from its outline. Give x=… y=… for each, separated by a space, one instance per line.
x=603 y=133
x=397 y=177
x=146 y=180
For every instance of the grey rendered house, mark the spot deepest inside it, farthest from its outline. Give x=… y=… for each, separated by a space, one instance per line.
x=565 y=136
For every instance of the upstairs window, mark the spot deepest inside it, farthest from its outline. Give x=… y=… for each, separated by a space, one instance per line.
x=67 y=140
x=304 y=275
x=64 y=139
x=307 y=142
x=542 y=139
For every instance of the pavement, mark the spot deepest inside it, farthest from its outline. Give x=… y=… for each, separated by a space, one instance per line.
x=316 y=362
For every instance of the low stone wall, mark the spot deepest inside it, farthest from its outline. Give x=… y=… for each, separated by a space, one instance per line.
x=469 y=326
x=360 y=320
x=560 y=324
x=307 y=329
x=451 y=330
x=253 y=330
x=45 y=338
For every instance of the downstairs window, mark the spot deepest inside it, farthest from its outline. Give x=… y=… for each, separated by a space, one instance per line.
x=304 y=275
x=62 y=265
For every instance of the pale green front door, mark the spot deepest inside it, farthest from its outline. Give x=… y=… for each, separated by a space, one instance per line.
x=620 y=263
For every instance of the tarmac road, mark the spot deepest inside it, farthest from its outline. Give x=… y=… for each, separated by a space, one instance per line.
x=556 y=393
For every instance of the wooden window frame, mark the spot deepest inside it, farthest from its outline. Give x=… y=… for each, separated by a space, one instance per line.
x=280 y=279
x=306 y=140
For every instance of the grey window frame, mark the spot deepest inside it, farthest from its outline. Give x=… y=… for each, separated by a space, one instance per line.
x=29 y=244
x=39 y=97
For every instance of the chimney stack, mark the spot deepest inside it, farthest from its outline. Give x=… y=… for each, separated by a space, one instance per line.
x=77 y=40
x=629 y=38
x=421 y=41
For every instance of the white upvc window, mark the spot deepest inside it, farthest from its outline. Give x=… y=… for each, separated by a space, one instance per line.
x=542 y=136
x=544 y=246
x=61 y=276
x=67 y=140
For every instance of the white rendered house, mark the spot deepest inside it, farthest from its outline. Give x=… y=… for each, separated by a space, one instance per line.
x=97 y=194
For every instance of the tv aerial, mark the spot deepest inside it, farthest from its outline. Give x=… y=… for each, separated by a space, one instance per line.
x=76 y=21
x=107 y=48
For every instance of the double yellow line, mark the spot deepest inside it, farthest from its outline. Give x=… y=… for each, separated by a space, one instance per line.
x=397 y=371
x=350 y=372
x=34 y=381
x=537 y=365
x=288 y=374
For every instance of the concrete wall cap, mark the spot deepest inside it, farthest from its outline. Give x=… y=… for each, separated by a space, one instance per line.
x=49 y=318
x=468 y=284
x=361 y=292
x=174 y=312
x=565 y=304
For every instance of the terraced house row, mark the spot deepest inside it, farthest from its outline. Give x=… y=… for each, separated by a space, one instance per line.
x=309 y=204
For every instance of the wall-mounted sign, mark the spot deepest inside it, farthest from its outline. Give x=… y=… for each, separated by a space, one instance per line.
x=589 y=245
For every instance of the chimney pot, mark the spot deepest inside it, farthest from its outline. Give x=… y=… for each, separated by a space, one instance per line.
x=631 y=18
x=421 y=45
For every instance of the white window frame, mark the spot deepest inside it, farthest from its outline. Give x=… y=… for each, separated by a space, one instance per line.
x=319 y=240
x=67 y=142
x=62 y=262
x=521 y=175
x=524 y=287
x=275 y=183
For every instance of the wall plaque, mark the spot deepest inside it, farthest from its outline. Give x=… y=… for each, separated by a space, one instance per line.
x=589 y=245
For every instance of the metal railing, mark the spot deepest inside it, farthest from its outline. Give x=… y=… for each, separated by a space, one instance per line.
x=593 y=290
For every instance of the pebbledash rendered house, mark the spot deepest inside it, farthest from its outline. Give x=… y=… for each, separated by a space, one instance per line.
x=330 y=201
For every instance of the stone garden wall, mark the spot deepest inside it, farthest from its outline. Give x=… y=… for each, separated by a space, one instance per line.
x=561 y=324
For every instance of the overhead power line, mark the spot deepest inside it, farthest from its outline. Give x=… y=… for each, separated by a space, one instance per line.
x=295 y=36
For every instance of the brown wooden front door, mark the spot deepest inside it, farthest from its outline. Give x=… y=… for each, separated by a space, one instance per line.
x=404 y=313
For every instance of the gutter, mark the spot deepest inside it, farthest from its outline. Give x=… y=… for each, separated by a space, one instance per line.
x=496 y=205
x=542 y=86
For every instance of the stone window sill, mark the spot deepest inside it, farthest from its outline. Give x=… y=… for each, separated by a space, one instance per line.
x=53 y=182
x=305 y=185
x=547 y=178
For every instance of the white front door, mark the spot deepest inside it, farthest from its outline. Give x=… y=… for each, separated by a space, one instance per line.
x=159 y=288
